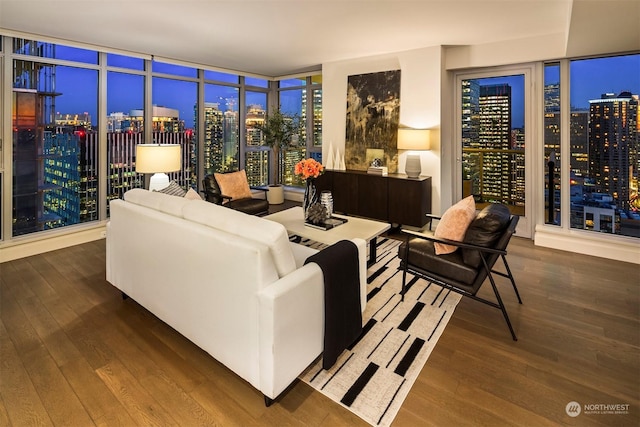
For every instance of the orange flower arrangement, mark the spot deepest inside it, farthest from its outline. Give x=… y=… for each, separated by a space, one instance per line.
x=309 y=168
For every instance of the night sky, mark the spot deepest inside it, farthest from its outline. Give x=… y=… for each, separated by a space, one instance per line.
x=590 y=78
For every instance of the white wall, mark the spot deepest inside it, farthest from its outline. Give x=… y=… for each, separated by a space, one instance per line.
x=420 y=89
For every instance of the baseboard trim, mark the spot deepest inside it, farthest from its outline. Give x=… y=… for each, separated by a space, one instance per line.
x=28 y=246
x=582 y=242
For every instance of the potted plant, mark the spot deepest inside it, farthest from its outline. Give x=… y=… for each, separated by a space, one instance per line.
x=279 y=132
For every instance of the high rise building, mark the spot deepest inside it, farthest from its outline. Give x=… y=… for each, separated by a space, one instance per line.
x=501 y=161
x=579 y=140
x=256 y=162
x=221 y=148
x=613 y=146
x=213 y=138
x=317 y=118
x=257 y=167
x=471 y=158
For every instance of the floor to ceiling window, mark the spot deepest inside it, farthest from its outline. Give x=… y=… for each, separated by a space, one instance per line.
x=603 y=144
x=221 y=128
x=174 y=117
x=302 y=98
x=293 y=102
x=493 y=136
x=55 y=148
x=125 y=126
x=59 y=129
x=256 y=154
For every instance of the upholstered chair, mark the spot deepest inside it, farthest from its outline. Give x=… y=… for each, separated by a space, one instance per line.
x=472 y=261
x=232 y=191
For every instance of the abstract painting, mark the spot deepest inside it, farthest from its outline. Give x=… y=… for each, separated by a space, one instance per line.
x=373 y=114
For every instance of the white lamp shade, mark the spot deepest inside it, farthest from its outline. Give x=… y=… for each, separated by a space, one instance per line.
x=153 y=158
x=413 y=139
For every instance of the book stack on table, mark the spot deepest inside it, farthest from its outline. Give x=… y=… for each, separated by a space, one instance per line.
x=378 y=170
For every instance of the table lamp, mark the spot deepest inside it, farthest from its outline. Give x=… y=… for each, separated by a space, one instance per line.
x=413 y=140
x=158 y=159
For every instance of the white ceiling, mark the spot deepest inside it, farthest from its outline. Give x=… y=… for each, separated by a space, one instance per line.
x=283 y=37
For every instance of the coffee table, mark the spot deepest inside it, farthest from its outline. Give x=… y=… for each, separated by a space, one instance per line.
x=366 y=229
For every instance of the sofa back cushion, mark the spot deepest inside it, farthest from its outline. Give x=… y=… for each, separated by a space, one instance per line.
x=269 y=233
x=171 y=205
x=485 y=230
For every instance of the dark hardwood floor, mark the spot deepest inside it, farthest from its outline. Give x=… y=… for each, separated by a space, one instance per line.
x=73 y=353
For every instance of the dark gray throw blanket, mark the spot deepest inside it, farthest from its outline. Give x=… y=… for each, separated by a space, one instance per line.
x=342 y=310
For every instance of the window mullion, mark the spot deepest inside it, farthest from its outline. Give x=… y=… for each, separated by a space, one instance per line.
x=102 y=137
x=565 y=145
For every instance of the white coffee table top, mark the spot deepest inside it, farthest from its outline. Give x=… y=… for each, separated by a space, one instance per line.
x=293 y=221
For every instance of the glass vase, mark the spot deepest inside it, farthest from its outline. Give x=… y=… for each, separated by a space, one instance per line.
x=310 y=196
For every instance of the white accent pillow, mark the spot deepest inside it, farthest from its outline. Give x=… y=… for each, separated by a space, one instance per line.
x=192 y=195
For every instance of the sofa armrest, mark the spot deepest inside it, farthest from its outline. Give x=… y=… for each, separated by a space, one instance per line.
x=301 y=253
x=291 y=316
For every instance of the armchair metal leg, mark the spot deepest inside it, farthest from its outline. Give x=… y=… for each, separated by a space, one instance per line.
x=502 y=307
x=404 y=281
x=513 y=282
x=404 y=270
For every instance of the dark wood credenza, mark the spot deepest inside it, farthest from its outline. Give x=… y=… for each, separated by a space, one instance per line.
x=393 y=198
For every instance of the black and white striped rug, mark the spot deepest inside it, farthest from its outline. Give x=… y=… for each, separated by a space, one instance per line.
x=374 y=376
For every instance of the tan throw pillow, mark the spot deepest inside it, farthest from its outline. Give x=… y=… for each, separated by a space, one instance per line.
x=192 y=195
x=233 y=184
x=454 y=223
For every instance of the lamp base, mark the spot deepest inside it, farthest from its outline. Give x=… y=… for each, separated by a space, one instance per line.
x=158 y=181
x=413 y=168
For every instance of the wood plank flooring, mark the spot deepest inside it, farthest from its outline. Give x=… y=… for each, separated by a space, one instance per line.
x=73 y=353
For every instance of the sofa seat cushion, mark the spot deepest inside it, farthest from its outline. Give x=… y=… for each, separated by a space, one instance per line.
x=269 y=233
x=454 y=223
x=422 y=254
x=171 y=205
x=485 y=230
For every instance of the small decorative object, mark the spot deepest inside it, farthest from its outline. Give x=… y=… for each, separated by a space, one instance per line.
x=309 y=169
x=339 y=161
x=376 y=163
x=317 y=213
x=329 y=162
x=378 y=170
x=326 y=198
x=310 y=196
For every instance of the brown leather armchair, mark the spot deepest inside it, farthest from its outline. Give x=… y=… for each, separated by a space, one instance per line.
x=465 y=270
x=249 y=205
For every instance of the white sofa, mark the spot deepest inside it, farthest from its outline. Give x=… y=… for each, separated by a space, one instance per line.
x=231 y=283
